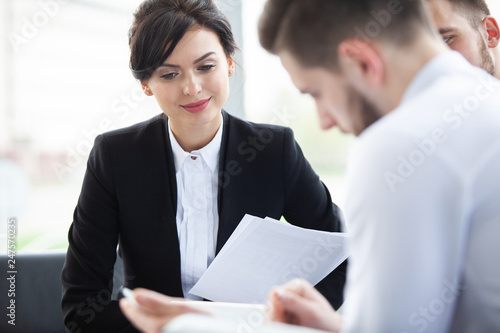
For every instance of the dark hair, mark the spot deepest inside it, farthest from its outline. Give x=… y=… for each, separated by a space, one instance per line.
x=312 y=30
x=159 y=25
x=474 y=10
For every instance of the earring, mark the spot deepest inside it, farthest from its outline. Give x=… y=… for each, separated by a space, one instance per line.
x=147 y=91
x=231 y=71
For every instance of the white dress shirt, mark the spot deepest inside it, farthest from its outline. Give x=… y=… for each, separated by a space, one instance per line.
x=422 y=208
x=197 y=216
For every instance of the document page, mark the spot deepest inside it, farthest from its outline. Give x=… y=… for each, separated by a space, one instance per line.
x=263 y=253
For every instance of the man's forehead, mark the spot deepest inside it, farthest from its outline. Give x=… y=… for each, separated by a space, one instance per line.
x=446 y=16
x=443 y=6
x=294 y=68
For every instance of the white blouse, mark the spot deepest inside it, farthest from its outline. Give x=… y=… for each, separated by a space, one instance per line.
x=197 y=216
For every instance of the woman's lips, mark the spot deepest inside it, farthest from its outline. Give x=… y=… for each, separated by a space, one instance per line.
x=197 y=106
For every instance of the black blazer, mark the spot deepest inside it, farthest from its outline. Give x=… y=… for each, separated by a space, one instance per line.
x=129 y=197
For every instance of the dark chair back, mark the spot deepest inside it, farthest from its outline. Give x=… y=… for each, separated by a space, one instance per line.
x=37 y=291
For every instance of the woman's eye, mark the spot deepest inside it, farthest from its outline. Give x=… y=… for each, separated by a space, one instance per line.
x=206 y=67
x=169 y=76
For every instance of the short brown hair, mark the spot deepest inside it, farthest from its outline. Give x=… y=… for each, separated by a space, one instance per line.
x=312 y=30
x=159 y=25
x=474 y=10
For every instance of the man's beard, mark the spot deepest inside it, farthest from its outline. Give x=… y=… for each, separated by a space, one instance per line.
x=486 y=58
x=367 y=112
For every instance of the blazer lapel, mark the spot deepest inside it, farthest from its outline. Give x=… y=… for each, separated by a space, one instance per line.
x=172 y=180
x=226 y=226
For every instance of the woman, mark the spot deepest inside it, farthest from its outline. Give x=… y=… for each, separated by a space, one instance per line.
x=171 y=190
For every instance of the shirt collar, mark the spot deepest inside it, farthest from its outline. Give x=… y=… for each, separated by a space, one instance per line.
x=443 y=64
x=209 y=153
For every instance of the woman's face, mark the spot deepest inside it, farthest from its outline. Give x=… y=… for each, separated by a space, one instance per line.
x=192 y=85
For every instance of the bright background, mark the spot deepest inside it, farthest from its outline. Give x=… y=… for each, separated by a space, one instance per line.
x=64 y=79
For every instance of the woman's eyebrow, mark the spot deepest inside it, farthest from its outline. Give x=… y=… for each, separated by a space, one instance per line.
x=203 y=57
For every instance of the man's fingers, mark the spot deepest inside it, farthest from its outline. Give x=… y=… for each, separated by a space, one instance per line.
x=299 y=286
x=290 y=301
x=161 y=304
x=275 y=311
x=158 y=303
x=308 y=310
x=286 y=301
x=304 y=289
x=144 y=321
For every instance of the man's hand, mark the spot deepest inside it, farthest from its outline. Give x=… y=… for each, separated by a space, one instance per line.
x=155 y=311
x=298 y=303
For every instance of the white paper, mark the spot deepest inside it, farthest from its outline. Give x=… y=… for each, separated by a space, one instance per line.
x=262 y=253
x=229 y=311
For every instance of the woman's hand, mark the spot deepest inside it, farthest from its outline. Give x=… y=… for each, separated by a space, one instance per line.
x=155 y=311
x=298 y=303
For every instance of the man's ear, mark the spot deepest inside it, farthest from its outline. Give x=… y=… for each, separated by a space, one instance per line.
x=361 y=60
x=492 y=31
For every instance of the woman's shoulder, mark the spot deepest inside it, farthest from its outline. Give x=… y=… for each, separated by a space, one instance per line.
x=139 y=135
x=157 y=122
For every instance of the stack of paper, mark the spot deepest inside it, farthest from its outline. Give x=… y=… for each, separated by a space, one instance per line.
x=262 y=253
